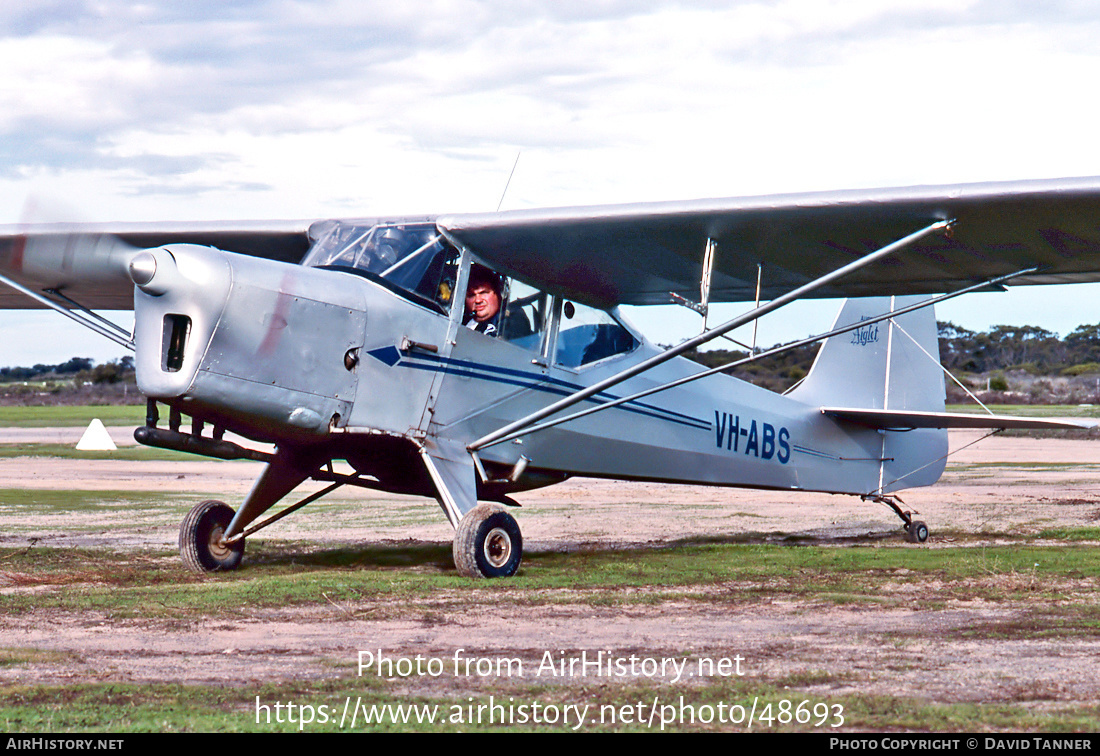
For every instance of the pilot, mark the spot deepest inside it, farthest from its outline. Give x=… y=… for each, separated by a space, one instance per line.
x=483 y=295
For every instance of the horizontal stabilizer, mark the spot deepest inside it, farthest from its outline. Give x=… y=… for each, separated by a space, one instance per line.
x=904 y=419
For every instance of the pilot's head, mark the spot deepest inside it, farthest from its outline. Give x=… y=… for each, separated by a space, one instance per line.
x=483 y=294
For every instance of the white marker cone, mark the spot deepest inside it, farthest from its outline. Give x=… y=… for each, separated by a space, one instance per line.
x=96 y=438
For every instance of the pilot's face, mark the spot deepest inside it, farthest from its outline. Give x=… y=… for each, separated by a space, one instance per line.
x=482 y=302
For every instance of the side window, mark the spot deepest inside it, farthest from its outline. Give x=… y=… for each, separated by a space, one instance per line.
x=525 y=316
x=587 y=335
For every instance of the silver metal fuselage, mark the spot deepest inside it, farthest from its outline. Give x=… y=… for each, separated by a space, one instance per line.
x=329 y=360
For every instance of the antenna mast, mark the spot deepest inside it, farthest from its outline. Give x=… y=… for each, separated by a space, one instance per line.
x=509 y=181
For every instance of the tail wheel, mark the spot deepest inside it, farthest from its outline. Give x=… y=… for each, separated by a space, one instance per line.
x=202 y=539
x=916 y=532
x=487 y=543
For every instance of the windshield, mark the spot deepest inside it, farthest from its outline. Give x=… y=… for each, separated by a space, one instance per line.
x=410 y=258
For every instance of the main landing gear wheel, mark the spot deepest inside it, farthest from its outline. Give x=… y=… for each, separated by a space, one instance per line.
x=487 y=543
x=916 y=532
x=202 y=546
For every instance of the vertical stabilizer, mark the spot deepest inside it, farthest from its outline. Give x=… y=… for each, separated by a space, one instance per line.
x=894 y=365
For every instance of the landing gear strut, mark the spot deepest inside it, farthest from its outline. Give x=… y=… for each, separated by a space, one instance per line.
x=202 y=542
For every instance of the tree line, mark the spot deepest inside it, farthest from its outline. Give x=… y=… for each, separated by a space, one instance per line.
x=1029 y=349
x=76 y=368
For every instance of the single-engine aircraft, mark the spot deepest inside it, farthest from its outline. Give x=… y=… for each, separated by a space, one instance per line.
x=468 y=357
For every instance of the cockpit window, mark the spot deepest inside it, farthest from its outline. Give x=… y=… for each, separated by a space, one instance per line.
x=411 y=259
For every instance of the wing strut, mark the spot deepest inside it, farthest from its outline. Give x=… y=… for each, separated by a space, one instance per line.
x=84 y=320
x=761 y=355
x=668 y=354
x=88 y=313
x=755 y=323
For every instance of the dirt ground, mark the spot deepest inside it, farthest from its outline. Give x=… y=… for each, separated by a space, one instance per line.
x=999 y=485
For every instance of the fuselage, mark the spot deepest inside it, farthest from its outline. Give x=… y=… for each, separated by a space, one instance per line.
x=330 y=358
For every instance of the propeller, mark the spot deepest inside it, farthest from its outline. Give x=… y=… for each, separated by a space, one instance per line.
x=72 y=268
x=61 y=255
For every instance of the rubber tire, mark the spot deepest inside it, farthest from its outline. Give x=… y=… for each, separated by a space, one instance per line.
x=199 y=534
x=917 y=532
x=487 y=543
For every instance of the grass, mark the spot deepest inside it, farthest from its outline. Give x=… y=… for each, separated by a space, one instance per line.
x=32 y=502
x=63 y=417
x=1032 y=410
x=63 y=451
x=326 y=707
x=19 y=505
x=391 y=580
x=1071 y=534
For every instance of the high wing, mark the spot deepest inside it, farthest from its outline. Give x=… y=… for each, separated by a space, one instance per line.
x=645 y=253
x=639 y=254
x=286 y=241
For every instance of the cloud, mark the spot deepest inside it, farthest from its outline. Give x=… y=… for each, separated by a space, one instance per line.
x=170 y=94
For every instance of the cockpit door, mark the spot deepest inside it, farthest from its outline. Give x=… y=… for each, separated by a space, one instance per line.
x=495 y=370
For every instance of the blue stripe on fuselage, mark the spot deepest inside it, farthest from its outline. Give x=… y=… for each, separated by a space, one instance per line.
x=539 y=382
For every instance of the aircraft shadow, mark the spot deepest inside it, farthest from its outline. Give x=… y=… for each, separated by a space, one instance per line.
x=413 y=554
x=397 y=554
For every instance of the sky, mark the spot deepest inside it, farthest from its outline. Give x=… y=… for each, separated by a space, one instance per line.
x=275 y=109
